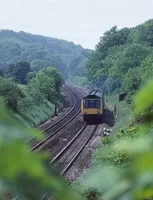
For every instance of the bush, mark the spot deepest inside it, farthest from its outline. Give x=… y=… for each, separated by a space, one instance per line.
x=10 y=92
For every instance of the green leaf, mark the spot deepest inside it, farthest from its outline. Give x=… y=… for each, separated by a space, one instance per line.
x=144 y=98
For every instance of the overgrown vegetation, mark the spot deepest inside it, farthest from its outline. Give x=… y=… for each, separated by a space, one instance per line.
x=123 y=164
x=123 y=167
x=123 y=59
x=37 y=101
x=25 y=174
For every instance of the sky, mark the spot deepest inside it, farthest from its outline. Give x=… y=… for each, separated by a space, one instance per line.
x=80 y=21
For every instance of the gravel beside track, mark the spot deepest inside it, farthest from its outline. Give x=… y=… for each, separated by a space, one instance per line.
x=75 y=147
x=52 y=129
x=84 y=161
x=58 y=141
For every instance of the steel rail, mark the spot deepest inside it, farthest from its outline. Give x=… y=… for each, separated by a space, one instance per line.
x=68 y=145
x=78 y=153
x=72 y=109
x=50 y=136
x=42 y=142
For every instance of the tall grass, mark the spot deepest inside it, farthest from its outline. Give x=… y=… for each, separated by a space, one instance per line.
x=34 y=108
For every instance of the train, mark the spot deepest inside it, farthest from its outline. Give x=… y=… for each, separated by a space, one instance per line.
x=93 y=106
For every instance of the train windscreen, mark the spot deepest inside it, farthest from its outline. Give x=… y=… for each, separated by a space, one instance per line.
x=91 y=103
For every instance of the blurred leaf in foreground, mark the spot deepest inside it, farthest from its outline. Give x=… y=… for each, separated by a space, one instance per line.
x=24 y=173
x=144 y=98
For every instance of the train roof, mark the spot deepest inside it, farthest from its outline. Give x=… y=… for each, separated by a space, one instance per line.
x=92 y=97
x=95 y=93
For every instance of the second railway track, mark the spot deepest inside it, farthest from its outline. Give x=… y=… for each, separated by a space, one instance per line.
x=65 y=158
x=52 y=129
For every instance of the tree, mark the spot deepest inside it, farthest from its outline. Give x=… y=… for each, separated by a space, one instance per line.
x=19 y=71
x=147 y=67
x=56 y=75
x=1 y=72
x=37 y=65
x=49 y=81
x=10 y=92
x=142 y=34
x=132 y=80
x=95 y=67
x=40 y=52
x=30 y=75
x=120 y=59
x=112 y=38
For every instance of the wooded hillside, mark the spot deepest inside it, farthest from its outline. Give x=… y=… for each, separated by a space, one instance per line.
x=123 y=59
x=41 y=52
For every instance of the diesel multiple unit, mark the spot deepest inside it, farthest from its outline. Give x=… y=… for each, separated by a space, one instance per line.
x=92 y=106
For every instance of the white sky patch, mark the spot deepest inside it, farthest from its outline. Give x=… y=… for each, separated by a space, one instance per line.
x=80 y=21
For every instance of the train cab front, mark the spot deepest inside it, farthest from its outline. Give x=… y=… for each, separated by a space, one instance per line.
x=92 y=110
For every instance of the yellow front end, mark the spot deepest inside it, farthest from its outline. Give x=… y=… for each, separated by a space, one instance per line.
x=91 y=111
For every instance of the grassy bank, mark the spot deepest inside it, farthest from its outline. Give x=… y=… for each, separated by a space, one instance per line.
x=33 y=113
x=123 y=111
x=35 y=109
x=36 y=114
x=34 y=102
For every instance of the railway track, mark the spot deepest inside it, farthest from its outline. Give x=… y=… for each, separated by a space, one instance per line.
x=69 y=154
x=71 y=151
x=52 y=129
x=64 y=159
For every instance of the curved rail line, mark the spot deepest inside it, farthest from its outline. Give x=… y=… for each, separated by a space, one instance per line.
x=51 y=130
x=53 y=133
x=53 y=125
x=66 y=166
x=76 y=108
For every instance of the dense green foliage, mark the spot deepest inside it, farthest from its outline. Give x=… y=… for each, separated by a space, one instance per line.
x=41 y=52
x=123 y=59
x=123 y=167
x=123 y=164
x=36 y=101
x=10 y=93
x=25 y=174
x=19 y=72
